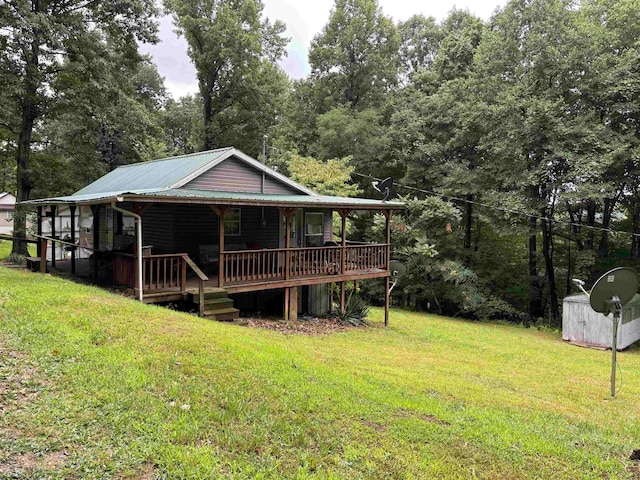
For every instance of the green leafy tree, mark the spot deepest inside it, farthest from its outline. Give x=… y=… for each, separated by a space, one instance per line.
x=234 y=51
x=36 y=37
x=354 y=60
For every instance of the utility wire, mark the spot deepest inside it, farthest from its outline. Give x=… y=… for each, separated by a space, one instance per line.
x=503 y=209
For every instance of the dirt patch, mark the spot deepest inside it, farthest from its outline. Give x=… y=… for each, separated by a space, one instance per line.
x=29 y=462
x=304 y=326
x=378 y=427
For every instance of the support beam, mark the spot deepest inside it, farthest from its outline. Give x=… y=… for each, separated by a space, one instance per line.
x=286 y=304
x=387 y=295
x=220 y=211
x=288 y=214
x=95 y=209
x=343 y=253
x=39 y=246
x=53 y=235
x=387 y=299
x=293 y=304
x=72 y=209
x=43 y=258
x=343 y=297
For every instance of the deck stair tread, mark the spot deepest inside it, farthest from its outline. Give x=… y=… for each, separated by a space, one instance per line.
x=217 y=305
x=220 y=311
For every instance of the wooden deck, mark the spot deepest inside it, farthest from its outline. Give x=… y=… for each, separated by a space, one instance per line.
x=172 y=277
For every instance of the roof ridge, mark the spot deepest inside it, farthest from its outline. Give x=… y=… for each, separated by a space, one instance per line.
x=195 y=154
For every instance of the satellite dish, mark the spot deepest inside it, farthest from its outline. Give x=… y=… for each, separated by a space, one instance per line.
x=397 y=269
x=384 y=187
x=608 y=295
x=621 y=282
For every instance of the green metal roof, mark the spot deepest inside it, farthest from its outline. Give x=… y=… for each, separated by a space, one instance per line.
x=216 y=197
x=152 y=175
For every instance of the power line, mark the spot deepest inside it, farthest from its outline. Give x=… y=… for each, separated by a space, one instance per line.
x=503 y=209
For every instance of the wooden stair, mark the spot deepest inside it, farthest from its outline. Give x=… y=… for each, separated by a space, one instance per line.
x=217 y=304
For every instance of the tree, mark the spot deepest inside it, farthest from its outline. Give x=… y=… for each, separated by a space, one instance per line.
x=420 y=41
x=234 y=52
x=355 y=58
x=36 y=38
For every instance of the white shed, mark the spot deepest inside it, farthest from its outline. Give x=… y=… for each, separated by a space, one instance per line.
x=582 y=325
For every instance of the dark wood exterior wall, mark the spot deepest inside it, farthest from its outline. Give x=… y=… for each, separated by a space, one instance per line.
x=157 y=228
x=183 y=228
x=233 y=175
x=193 y=225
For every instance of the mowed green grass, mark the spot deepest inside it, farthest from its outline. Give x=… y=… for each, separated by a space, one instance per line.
x=109 y=388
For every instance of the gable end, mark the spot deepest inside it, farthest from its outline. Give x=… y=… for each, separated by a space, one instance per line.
x=233 y=175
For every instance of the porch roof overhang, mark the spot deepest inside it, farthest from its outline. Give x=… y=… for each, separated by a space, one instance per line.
x=207 y=197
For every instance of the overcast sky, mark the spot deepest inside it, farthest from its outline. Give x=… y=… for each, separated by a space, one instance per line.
x=304 y=19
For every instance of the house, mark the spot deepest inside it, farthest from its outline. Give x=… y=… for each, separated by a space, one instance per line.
x=212 y=224
x=7 y=207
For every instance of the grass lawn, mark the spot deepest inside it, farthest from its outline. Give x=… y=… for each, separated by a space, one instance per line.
x=5 y=248
x=96 y=386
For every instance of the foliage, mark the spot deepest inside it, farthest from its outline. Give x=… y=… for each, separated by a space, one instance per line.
x=354 y=59
x=234 y=52
x=332 y=177
x=355 y=312
x=37 y=39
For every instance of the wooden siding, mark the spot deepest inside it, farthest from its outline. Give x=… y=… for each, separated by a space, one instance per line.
x=157 y=226
x=194 y=225
x=233 y=175
x=252 y=231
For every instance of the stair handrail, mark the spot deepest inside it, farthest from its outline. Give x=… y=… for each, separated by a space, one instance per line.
x=201 y=277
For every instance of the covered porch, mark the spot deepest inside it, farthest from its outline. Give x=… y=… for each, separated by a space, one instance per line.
x=294 y=232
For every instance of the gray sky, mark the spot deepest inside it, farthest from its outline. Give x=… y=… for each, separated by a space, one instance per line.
x=304 y=20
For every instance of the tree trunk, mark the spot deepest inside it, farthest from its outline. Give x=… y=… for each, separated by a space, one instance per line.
x=24 y=179
x=547 y=252
x=603 y=248
x=209 y=141
x=535 y=287
x=591 y=221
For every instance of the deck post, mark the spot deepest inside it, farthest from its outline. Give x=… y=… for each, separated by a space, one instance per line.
x=220 y=211
x=286 y=304
x=53 y=235
x=343 y=254
x=343 y=297
x=387 y=294
x=39 y=245
x=43 y=258
x=95 y=209
x=293 y=304
x=72 y=209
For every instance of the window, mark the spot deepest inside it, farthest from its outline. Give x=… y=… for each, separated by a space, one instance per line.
x=232 y=222
x=9 y=215
x=313 y=229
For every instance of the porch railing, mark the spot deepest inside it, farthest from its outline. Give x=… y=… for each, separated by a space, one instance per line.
x=271 y=264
